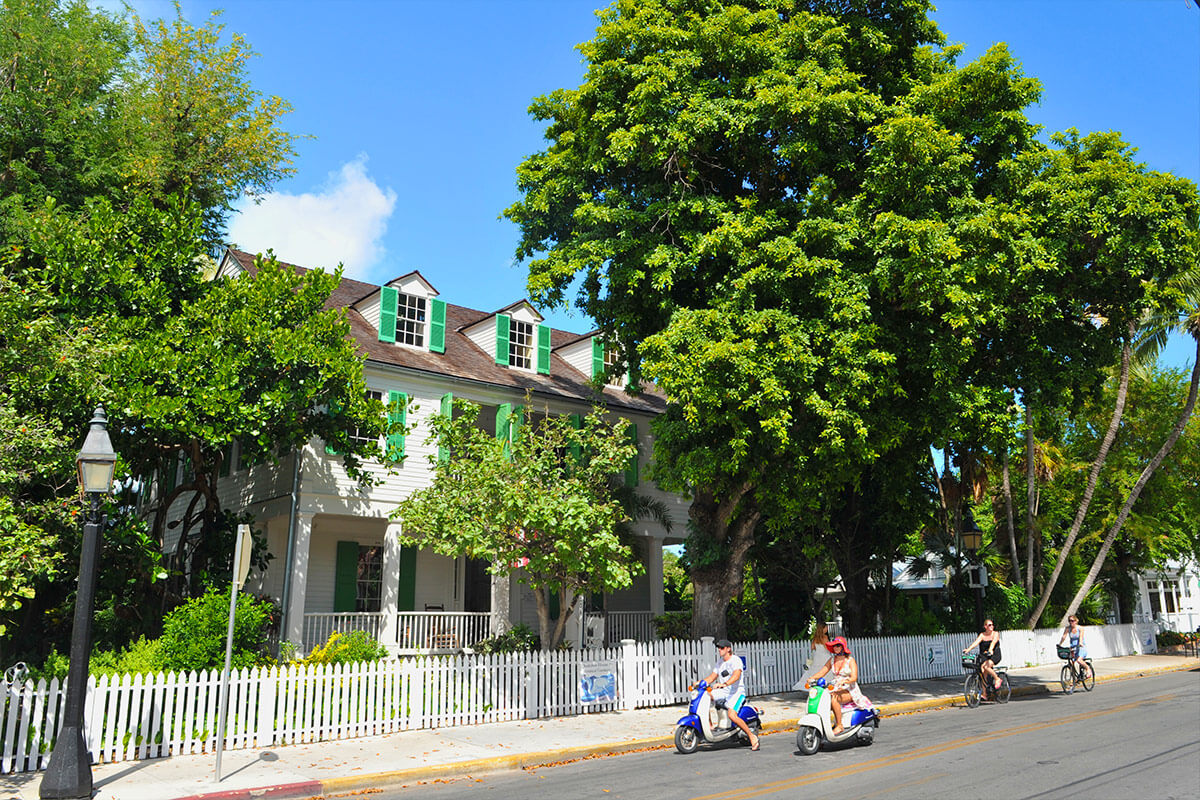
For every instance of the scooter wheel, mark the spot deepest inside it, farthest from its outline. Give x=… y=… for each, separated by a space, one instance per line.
x=686 y=739
x=808 y=740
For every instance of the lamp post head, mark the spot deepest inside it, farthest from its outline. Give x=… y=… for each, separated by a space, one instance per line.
x=972 y=536
x=97 y=461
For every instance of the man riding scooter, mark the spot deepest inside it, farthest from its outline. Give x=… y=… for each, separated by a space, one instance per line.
x=728 y=674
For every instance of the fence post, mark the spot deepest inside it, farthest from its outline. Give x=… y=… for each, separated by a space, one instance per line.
x=629 y=692
x=267 y=690
x=533 y=671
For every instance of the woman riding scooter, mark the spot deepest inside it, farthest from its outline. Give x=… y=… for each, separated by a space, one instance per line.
x=844 y=686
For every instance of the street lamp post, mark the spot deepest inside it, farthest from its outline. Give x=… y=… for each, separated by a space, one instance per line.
x=69 y=773
x=972 y=539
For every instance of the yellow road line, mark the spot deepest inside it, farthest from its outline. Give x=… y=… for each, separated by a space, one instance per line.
x=912 y=755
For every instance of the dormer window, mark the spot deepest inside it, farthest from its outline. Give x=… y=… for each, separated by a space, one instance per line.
x=520 y=345
x=410 y=320
x=516 y=336
x=406 y=312
x=610 y=367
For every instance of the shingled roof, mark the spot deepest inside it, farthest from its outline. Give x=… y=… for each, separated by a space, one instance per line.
x=463 y=360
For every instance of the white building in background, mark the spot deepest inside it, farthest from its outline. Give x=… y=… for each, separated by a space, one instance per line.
x=1170 y=597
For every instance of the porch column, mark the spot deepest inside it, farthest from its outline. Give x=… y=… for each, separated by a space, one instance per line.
x=299 y=584
x=654 y=572
x=390 y=591
x=501 y=619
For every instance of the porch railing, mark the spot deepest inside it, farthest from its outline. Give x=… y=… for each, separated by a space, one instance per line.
x=618 y=625
x=409 y=632
x=440 y=631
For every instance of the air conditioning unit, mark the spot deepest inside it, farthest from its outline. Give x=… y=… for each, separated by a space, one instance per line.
x=977 y=576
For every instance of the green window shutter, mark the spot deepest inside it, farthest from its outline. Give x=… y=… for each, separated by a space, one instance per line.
x=335 y=408
x=397 y=415
x=515 y=420
x=406 y=599
x=448 y=413
x=597 y=357
x=631 y=471
x=345 y=577
x=503 y=323
x=576 y=449
x=437 y=325
x=226 y=460
x=555 y=608
x=171 y=479
x=503 y=412
x=543 y=342
x=389 y=299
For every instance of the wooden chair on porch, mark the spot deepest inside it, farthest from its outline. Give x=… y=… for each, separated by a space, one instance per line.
x=439 y=638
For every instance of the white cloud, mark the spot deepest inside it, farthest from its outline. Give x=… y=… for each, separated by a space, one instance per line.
x=344 y=221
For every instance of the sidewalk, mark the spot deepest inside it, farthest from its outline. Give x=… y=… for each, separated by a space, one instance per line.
x=411 y=756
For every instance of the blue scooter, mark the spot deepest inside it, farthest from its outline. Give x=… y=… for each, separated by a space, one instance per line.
x=697 y=725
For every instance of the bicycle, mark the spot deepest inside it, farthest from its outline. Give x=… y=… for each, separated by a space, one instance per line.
x=973 y=686
x=1072 y=674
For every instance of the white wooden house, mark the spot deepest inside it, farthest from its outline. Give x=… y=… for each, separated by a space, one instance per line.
x=340 y=563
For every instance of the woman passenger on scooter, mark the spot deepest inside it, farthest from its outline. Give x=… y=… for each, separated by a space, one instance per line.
x=844 y=686
x=989 y=652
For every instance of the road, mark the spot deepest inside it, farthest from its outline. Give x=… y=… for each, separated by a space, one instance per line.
x=1126 y=739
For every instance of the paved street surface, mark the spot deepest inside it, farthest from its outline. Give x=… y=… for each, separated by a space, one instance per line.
x=1127 y=739
x=910 y=744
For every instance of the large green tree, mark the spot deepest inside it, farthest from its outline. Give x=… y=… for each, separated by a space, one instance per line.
x=797 y=218
x=93 y=103
x=541 y=497
x=122 y=148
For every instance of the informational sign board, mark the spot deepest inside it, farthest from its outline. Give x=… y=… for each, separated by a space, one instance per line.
x=935 y=653
x=598 y=683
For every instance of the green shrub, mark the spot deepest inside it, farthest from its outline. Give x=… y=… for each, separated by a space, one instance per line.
x=194 y=633
x=1169 y=638
x=674 y=625
x=347 y=648
x=909 y=617
x=516 y=639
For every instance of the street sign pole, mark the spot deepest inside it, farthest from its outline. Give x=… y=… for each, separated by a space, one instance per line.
x=241 y=566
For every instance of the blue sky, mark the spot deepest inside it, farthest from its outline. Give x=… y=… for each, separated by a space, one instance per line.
x=417 y=113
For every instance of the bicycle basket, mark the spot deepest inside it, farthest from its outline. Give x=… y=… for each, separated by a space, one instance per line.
x=968 y=661
x=1064 y=652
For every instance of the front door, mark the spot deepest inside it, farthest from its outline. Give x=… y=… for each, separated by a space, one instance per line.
x=477 y=594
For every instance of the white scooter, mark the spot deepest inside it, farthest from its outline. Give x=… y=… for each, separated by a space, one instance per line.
x=697 y=725
x=858 y=725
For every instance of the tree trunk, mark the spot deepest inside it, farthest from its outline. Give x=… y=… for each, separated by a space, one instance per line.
x=730 y=523
x=1030 y=501
x=1093 y=476
x=1008 y=513
x=1136 y=491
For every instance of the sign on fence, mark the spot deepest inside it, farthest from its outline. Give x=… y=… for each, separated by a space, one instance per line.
x=597 y=683
x=936 y=653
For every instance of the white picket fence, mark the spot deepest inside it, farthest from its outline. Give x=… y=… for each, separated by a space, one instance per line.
x=149 y=716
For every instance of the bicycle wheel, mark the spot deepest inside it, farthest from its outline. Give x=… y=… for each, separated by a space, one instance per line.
x=972 y=689
x=1067 y=678
x=1089 y=679
x=1005 y=690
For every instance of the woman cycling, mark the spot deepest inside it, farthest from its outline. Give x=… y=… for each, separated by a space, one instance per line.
x=989 y=652
x=1074 y=631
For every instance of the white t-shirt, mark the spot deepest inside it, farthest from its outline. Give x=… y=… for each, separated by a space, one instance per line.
x=725 y=669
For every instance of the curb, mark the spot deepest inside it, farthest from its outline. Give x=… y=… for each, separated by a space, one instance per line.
x=544 y=758
x=298 y=789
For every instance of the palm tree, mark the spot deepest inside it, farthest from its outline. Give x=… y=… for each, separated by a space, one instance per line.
x=1155 y=332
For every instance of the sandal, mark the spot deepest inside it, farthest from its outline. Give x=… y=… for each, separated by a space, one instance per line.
x=754 y=745
x=996 y=684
